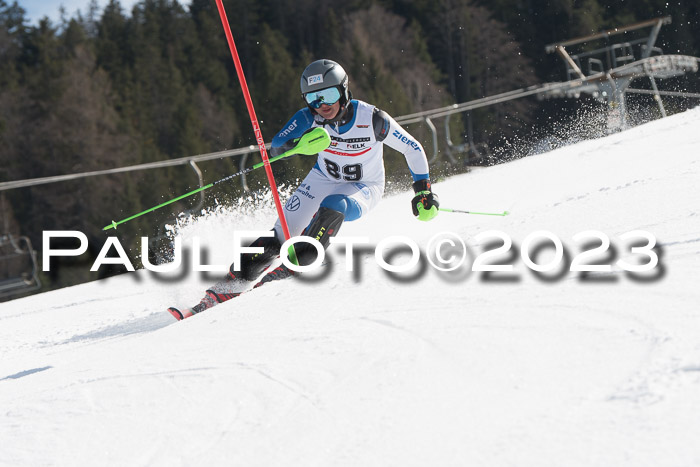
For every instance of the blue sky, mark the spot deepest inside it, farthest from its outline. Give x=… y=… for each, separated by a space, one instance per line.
x=37 y=9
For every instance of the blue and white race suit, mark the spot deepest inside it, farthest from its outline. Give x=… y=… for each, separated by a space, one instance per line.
x=352 y=166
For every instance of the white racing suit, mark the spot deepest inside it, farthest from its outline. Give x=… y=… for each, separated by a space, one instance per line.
x=349 y=175
x=346 y=182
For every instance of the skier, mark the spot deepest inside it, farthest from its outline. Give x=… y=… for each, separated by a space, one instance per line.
x=346 y=182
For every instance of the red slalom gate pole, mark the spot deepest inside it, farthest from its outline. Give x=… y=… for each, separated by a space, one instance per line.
x=253 y=119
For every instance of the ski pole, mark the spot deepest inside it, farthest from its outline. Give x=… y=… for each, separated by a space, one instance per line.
x=504 y=213
x=311 y=142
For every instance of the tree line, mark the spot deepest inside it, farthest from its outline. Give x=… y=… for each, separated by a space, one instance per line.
x=110 y=88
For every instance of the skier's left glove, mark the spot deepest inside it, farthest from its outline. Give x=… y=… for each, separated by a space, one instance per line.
x=425 y=204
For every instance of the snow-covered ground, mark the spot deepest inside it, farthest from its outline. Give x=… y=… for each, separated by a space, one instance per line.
x=361 y=368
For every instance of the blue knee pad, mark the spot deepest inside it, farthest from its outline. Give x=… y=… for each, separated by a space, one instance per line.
x=344 y=204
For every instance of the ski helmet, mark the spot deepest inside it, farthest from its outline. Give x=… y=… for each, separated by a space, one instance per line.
x=323 y=74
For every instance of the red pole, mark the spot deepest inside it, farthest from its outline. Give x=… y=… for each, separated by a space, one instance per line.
x=253 y=117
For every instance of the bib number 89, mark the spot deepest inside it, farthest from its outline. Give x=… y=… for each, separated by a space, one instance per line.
x=350 y=172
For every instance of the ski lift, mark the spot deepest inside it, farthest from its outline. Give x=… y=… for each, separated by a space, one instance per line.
x=18 y=266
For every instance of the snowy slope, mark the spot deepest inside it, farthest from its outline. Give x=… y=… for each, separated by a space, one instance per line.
x=366 y=369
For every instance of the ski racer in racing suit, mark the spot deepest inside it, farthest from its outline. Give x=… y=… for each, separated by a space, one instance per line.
x=346 y=182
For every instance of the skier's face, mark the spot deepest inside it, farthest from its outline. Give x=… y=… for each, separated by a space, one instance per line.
x=328 y=112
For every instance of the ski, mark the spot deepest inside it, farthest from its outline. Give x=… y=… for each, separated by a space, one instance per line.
x=212 y=298
x=180 y=315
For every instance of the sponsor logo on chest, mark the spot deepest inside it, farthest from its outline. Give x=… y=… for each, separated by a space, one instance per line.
x=350 y=143
x=350 y=140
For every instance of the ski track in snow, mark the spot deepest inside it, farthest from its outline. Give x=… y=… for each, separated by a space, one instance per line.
x=364 y=369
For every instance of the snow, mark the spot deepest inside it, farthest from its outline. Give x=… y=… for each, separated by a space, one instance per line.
x=362 y=368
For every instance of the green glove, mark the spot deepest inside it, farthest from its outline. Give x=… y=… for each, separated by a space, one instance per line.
x=425 y=204
x=289 y=144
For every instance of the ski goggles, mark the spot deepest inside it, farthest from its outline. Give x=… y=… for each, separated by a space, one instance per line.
x=328 y=96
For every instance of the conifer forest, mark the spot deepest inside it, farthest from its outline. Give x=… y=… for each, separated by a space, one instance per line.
x=111 y=88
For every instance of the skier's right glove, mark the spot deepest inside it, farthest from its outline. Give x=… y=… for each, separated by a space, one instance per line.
x=425 y=204
x=287 y=145
x=296 y=140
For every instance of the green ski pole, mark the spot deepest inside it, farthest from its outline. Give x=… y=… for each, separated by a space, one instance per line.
x=312 y=142
x=504 y=213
